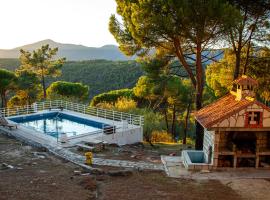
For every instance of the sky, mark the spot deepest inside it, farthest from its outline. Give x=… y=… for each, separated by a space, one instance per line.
x=67 y=21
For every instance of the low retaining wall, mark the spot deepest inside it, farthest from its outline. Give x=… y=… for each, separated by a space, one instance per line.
x=122 y=137
x=195 y=160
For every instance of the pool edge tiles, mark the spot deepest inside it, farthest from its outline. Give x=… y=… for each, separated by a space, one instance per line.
x=27 y=118
x=78 y=120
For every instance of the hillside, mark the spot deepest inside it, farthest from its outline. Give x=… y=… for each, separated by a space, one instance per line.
x=71 y=51
x=100 y=75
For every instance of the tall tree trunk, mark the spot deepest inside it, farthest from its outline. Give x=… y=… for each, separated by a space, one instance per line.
x=5 y=100
x=28 y=100
x=173 y=121
x=148 y=139
x=166 y=119
x=237 y=63
x=2 y=100
x=238 y=45
x=199 y=94
x=249 y=47
x=44 y=87
x=197 y=82
x=186 y=124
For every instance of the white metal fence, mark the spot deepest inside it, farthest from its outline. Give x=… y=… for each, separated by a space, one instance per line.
x=76 y=107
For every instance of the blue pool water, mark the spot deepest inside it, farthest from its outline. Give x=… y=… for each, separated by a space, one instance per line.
x=55 y=123
x=196 y=156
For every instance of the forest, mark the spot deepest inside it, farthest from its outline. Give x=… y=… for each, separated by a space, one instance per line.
x=100 y=75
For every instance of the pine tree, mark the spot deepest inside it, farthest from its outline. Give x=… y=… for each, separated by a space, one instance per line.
x=42 y=63
x=182 y=27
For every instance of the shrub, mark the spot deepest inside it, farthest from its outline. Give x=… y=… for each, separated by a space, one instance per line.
x=112 y=96
x=161 y=136
x=67 y=90
x=125 y=104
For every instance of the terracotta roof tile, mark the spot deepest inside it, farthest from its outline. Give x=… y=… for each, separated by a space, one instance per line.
x=245 y=80
x=219 y=110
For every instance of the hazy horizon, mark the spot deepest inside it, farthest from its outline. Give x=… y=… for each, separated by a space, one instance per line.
x=64 y=43
x=81 y=22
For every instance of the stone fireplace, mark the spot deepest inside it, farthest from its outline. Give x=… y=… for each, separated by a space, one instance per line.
x=236 y=129
x=242 y=149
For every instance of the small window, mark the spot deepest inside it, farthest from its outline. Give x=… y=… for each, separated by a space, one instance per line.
x=254 y=118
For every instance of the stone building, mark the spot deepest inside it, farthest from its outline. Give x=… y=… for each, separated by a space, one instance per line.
x=236 y=129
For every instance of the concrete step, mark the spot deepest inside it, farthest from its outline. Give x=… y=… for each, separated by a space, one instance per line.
x=85 y=147
x=174 y=166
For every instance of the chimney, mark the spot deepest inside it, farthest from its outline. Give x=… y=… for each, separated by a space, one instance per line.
x=245 y=88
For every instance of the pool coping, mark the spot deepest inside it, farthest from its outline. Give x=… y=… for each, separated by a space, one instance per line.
x=117 y=124
x=56 y=112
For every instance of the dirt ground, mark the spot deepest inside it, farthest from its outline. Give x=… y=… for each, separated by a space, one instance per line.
x=27 y=173
x=251 y=188
x=138 y=152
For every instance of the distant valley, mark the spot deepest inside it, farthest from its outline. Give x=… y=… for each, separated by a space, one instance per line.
x=71 y=51
x=100 y=75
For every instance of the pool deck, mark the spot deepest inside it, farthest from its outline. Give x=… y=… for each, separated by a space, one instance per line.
x=38 y=139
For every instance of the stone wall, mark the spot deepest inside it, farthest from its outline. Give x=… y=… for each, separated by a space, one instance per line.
x=262 y=141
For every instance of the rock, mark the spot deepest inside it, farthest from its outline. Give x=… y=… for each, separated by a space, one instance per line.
x=19 y=168
x=39 y=155
x=120 y=173
x=89 y=184
x=97 y=171
x=172 y=154
x=6 y=166
x=34 y=163
x=27 y=148
x=77 y=172
x=42 y=149
x=54 y=184
x=85 y=174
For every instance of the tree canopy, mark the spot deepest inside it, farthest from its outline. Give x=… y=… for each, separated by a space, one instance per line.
x=28 y=87
x=181 y=27
x=7 y=80
x=252 y=30
x=42 y=63
x=112 y=96
x=68 y=90
x=219 y=76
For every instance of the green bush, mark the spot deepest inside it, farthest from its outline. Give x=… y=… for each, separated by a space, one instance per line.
x=112 y=96
x=68 y=90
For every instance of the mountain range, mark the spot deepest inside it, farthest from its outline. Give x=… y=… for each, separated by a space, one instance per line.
x=72 y=52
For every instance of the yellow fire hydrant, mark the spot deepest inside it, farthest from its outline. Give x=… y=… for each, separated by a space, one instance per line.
x=88 y=158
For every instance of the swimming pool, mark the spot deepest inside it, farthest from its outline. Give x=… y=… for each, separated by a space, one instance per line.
x=55 y=123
